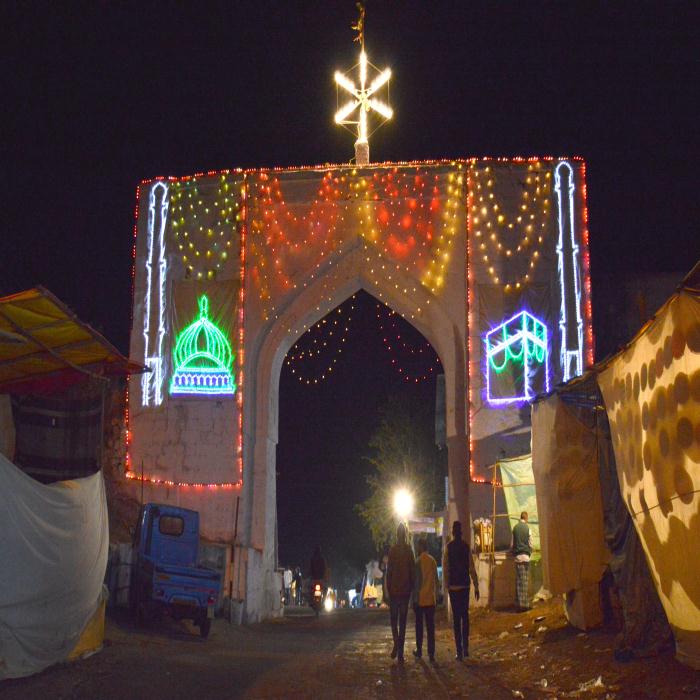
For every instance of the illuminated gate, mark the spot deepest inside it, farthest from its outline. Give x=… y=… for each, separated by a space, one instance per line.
x=488 y=259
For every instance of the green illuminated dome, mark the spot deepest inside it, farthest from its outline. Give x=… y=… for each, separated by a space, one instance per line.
x=202 y=357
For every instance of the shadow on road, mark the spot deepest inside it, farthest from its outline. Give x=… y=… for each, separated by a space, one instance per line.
x=163 y=627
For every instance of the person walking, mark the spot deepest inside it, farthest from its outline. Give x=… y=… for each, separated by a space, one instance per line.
x=425 y=599
x=521 y=547
x=287 y=586
x=457 y=568
x=297 y=581
x=399 y=584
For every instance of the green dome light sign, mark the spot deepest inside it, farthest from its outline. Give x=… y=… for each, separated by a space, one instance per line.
x=203 y=358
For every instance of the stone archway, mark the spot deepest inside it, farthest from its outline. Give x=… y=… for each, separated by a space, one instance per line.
x=464 y=250
x=345 y=275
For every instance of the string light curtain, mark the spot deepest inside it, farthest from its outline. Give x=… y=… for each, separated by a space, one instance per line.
x=528 y=295
x=315 y=355
x=410 y=213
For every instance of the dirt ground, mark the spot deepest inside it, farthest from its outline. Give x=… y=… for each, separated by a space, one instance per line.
x=345 y=654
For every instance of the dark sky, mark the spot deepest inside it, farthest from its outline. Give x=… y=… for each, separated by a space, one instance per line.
x=97 y=96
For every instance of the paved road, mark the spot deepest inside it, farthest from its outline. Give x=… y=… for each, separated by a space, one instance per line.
x=341 y=655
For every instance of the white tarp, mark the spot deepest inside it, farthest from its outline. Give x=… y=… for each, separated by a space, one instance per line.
x=53 y=555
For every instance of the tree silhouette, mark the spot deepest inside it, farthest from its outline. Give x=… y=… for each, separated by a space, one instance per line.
x=404 y=455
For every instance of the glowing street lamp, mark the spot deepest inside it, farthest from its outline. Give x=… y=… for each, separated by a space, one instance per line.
x=364 y=99
x=403 y=503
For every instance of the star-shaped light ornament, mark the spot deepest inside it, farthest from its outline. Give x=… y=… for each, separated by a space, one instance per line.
x=363 y=98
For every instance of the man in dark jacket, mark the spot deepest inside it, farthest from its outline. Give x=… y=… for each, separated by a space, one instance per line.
x=457 y=568
x=522 y=549
x=400 y=571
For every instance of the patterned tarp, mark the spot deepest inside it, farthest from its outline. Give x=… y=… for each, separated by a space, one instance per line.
x=652 y=397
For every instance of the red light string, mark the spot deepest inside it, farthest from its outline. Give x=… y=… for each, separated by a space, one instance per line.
x=396 y=345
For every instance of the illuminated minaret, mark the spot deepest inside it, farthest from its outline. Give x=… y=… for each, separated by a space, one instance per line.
x=570 y=321
x=154 y=301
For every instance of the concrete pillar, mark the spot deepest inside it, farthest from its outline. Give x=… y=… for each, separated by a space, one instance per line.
x=458 y=471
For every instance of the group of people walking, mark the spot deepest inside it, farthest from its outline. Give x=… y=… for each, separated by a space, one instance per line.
x=409 y=578
x=293 y=590
x=415 y=579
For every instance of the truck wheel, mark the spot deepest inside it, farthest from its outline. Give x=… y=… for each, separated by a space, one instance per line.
x=204 y=627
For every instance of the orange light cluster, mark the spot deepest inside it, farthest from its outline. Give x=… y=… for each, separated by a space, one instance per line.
x=408 y=213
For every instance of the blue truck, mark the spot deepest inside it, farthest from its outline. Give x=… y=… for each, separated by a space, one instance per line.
x=166 y=576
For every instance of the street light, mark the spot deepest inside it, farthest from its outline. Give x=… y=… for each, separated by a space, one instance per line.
x=403 y=503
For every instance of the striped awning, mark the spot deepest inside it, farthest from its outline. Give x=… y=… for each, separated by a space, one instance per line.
x=40 y=337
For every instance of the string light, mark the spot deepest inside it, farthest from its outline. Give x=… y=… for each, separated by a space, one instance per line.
x=326 y=337
x=590 y=342
x=179 y=484
x=241 y=324
x=352 y=212
x=510 y=235
x=202 y=225
x=414 y=355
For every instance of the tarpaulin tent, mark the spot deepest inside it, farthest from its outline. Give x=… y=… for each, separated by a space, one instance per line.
x=565 y=466
x=42 y=341
x=570 y=427
x=652 y=398
x=56 y=369
x=646 y=430
x=53 y=549
x=53 y=538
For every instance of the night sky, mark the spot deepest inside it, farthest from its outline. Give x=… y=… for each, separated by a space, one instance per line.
x=98 y=96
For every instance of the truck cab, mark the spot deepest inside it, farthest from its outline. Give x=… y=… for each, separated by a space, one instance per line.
x=166 y=575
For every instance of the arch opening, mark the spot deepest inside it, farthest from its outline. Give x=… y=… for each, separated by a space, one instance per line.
x=360 y=373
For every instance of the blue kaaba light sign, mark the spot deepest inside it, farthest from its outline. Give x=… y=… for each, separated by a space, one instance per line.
x=517 y=360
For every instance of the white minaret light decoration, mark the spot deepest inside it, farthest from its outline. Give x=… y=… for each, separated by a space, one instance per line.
x=362 y=98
